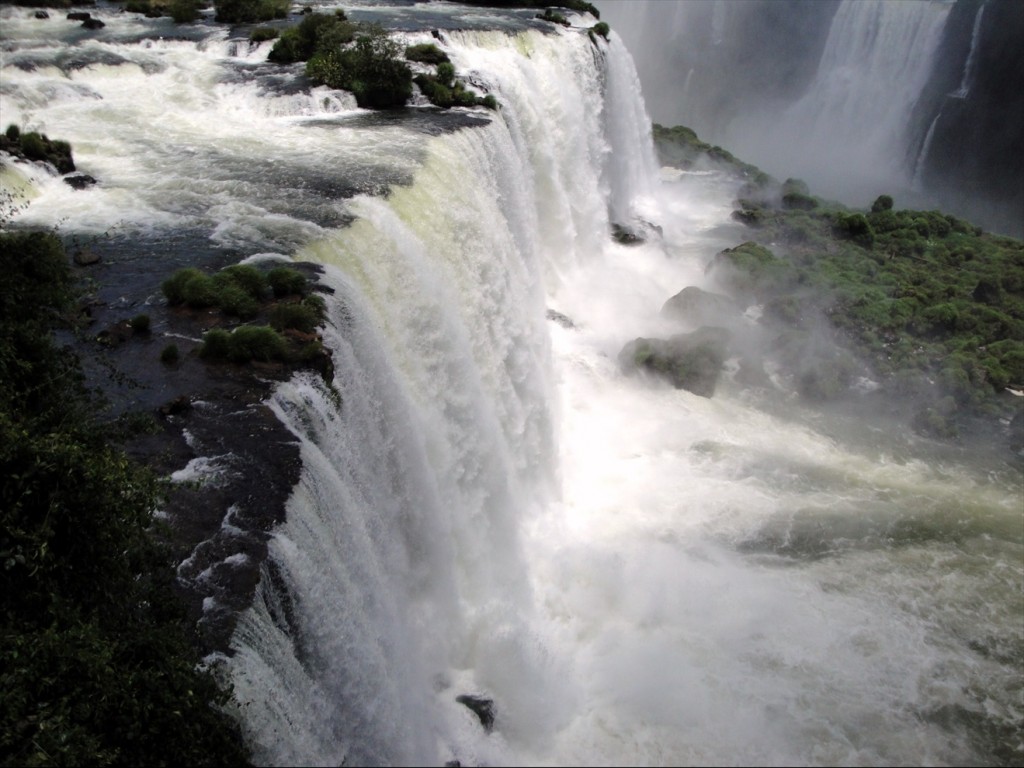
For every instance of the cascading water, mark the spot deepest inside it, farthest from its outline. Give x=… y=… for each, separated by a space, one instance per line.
x=851 y=120
x=632 y=573
x=965 y=84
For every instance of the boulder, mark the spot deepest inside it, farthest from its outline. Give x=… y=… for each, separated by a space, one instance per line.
x=690 y=361
x=79 y=180
x=563 y=320
x=698 y=307
x=636 y=232
x=481 y=706
x=85 y=258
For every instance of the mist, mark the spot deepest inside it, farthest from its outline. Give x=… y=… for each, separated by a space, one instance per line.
x=858 y=98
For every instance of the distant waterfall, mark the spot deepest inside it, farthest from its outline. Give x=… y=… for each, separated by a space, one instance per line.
x=847 y=131
x=965 y=83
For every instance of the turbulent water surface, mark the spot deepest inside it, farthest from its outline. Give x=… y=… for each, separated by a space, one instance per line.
x=632 y=573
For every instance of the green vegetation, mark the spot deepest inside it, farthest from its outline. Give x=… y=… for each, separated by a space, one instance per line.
x=236 y=290
x=282 y=294
x=371 y=69
x=184 y=11
x=37 y=147
x=170 y=355
x=931 y=305
x=249 y=11
x=553 y=16
x=580 y=6
x=426 y=53
x=181 y=11
x=601 y=28
x=363 y=59
x=317 y=32
x=140 y=324
x=262 y=34
x=680 y=147
x=245 y=344
x=98 y=664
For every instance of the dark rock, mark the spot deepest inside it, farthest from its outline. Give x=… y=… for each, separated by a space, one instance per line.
x=179 y=405
x=93 y=24
x=85 y=258
x=562 y=320
x=690 y=361
x=699 y=307
x=482 y=707
x=42 y=15
x=79 y=181
x=79 y=16
x=1016 y=431
x=636 y=232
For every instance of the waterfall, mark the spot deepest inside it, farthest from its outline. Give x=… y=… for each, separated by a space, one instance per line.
x=852 y=118
x=399 y=569
x=923 y=156
x=968 y=77
x=488 y=505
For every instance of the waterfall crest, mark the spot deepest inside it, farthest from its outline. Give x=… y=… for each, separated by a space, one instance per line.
x=397 y=582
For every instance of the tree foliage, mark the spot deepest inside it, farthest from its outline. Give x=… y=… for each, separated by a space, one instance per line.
x=97 y=662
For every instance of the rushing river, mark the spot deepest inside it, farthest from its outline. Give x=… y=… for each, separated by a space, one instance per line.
x=633 y=574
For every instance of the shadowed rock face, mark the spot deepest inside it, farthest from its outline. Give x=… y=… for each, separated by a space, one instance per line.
x=690 y=361
x=233 y=464
x=974 y=159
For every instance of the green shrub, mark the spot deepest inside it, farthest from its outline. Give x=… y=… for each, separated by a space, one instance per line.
x=855 y=226
x=216 y=344
x=200 y=292
x=33 y=146
x=170 y=355
x=13 y=132
x=262 y=34
x=301 y=317
x=488 y=101
x=435 y=92
x=234 y=300
x=249 y=11
x=446 y=73
x=426 y=53
x=372 y=70
x=140 y=324
x=285 y=281
x=256 y=342
x=249 y=278
x=184 y=11
x=554 y=17
x=316 y=302
x=137 y=6
x=174 y=286
x=882 y=203
x=317 y=32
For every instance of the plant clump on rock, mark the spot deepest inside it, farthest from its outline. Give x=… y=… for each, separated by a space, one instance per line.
x=37 y=147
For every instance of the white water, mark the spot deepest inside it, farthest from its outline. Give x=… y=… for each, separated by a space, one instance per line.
x=845 y=133
x=968 y=77
x=852 y=119
x=634 y=574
